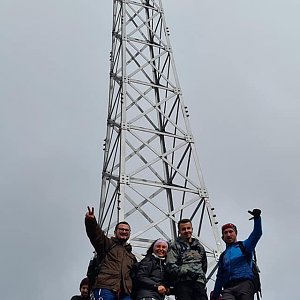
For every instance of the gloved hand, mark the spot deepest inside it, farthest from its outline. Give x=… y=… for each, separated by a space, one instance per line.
x=194 y=276
x=255 y=213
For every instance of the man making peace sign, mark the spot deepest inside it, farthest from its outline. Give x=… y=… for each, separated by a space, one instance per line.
x=113 y=281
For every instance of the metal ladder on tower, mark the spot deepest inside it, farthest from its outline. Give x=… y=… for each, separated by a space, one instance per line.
x=151 y=175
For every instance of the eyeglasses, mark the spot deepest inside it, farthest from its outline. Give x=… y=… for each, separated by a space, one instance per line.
x=124 y=229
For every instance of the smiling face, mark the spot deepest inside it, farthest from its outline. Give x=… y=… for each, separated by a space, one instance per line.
x=229 y=236
x=122 y=232
x=160 y=249
x=185 y=231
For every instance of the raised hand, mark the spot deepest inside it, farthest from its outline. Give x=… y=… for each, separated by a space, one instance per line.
x=90 y=213
x=255 y=213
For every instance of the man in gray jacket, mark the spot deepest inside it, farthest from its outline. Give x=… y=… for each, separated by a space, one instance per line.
x=187 y=264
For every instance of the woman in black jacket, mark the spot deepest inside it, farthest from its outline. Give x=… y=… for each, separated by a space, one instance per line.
x=150 y=275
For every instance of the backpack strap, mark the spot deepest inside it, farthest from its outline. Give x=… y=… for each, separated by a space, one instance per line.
x=243 y=249
x=102 y=255
x=255 y=268
x=245 y=253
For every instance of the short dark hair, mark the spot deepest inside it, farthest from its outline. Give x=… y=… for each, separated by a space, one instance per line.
x=183 y=221
x=84 y=281
x=122 y=222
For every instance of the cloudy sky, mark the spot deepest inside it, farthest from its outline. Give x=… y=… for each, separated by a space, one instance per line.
x=239 y=68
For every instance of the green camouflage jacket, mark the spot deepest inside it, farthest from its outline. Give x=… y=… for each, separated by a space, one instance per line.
x=186 y=261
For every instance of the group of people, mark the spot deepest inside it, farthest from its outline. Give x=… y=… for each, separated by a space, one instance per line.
x=178 y=268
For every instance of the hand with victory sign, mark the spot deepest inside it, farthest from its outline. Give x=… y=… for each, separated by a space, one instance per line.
x=90 y=213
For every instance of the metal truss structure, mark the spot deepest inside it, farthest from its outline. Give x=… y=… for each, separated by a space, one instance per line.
x=151 y=176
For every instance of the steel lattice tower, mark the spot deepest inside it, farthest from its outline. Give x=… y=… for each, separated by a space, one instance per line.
x=151 y=176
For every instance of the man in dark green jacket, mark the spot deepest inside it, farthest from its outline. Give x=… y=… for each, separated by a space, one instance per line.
x=187 y=264
x=113 y=281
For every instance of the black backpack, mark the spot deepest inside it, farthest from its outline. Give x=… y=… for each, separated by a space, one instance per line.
x=255 y=269
x=93 y=269
x=133 y=275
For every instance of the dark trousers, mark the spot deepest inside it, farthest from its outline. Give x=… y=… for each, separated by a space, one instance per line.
x=190 y=290
x=241 y=291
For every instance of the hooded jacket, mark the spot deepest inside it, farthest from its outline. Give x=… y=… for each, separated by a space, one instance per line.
x=115 y=268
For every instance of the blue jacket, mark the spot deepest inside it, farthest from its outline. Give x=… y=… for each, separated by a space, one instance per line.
x=235 y=265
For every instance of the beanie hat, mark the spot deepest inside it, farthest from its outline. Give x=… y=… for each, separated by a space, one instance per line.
x=229 y=225
x=84 y=281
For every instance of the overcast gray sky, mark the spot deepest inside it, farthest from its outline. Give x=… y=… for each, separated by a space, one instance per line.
x=239 y=68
